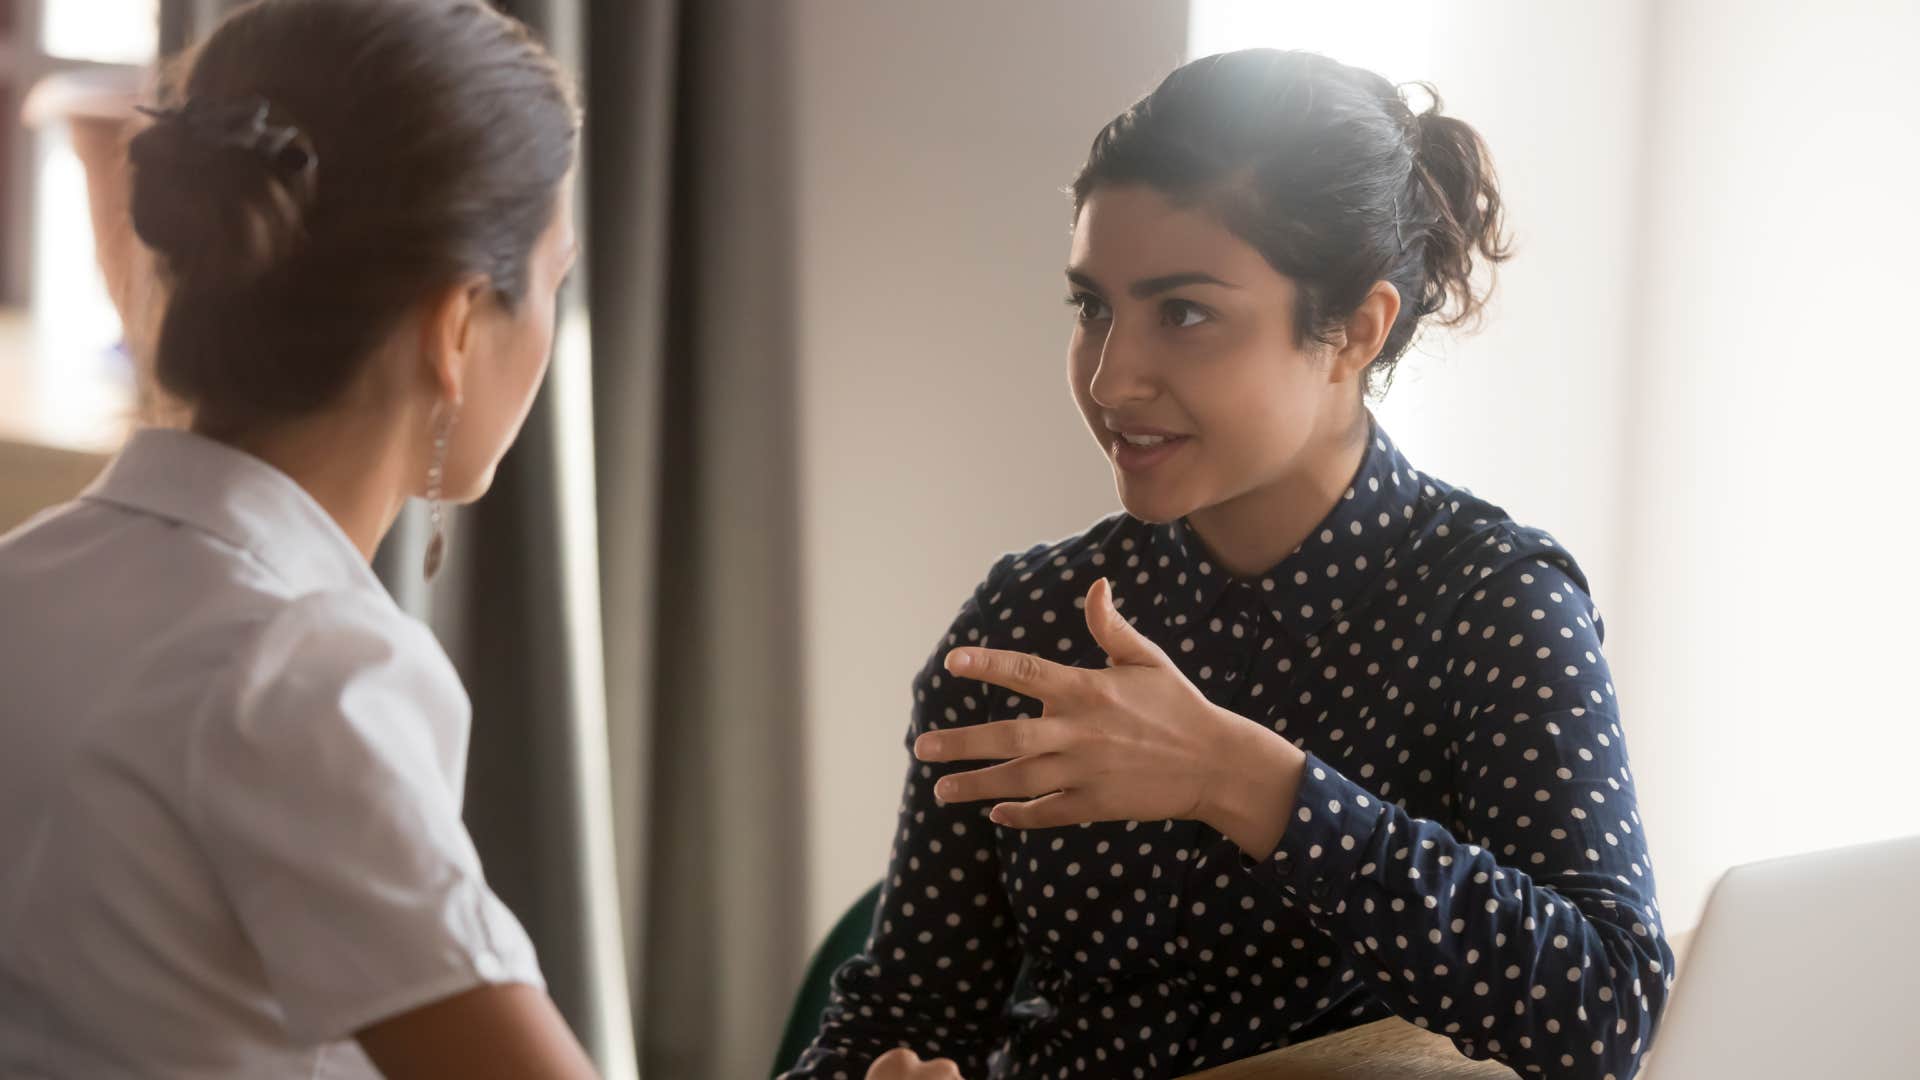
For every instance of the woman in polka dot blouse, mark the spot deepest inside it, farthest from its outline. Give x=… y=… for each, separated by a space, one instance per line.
x=1306 y=737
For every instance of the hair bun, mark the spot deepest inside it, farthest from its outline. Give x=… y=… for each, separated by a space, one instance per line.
x=1454 y=173
x=220 y=193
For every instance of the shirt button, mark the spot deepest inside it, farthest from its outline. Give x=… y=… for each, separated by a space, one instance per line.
x=488 y=967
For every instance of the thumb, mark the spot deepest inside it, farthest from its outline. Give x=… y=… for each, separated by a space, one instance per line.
x=1120 y=640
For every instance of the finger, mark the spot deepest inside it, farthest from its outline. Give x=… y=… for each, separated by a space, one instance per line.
x=1025 y=778
x=1057 y=810
x=896 y=1064
x=904 y=1064
x=1002 y=740
x=1022 y=673
x=1121 y=641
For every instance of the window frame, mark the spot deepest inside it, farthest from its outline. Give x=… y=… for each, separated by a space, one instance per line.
x=24 y=61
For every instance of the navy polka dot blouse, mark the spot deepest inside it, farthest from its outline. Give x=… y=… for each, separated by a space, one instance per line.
x=1465 y=853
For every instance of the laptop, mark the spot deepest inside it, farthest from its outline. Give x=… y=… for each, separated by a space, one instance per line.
x=1802 y=967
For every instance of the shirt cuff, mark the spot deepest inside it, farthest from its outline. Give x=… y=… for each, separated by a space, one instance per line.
x=1329 y=836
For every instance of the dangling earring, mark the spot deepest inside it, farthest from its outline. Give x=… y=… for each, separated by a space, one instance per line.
x=436 y=480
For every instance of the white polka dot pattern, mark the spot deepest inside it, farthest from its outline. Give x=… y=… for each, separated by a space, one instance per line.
x=1465 y=852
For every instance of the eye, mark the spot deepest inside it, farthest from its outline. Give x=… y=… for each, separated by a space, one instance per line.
x=1183 y=313
x=1087 y=307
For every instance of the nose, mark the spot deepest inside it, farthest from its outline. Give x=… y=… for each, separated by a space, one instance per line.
x=1124 y=374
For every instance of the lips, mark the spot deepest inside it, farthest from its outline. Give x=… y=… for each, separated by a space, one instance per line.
x=1139 y=450
x=1121 y=429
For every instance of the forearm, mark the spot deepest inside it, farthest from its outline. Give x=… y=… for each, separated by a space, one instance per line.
x=1568 y=977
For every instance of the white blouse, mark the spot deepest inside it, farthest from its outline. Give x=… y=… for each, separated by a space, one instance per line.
x=230 y=786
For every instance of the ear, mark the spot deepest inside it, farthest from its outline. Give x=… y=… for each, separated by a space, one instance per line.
x=448 y=336
x=1365 y=331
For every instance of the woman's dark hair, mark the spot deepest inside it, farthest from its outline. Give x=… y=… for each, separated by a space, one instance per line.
x=1328 y=172
x=319 y=167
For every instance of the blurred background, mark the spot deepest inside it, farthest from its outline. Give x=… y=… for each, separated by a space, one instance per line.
x=814 y=384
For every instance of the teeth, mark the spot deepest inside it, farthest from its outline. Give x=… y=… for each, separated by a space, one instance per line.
x=1145 y=440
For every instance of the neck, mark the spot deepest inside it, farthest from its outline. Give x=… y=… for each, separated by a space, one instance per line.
x=1251 y=533
x=360 y=469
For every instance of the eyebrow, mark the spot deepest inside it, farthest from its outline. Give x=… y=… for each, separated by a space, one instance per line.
x=1153 y=286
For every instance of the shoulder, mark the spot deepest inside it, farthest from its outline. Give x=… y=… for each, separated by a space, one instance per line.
x=1519 y=567
x=1512 y=614
x=340 y=632
x=1053 y=577
x=1029 y=600
x=1107 y=544
x=336 y=676
x=1540 y=600
x=1026 y=589
x=1462 y=545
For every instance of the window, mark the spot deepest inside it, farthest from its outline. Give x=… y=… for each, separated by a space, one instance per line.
x=102 y=31
x=60 y=329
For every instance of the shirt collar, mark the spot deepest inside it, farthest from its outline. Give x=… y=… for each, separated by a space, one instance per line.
x=1339 y=562
x=237 y=498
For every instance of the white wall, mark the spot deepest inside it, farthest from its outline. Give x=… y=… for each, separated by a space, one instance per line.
x=1771 y=615
x=936 y=430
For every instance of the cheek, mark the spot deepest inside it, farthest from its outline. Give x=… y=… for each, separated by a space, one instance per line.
x=528 y=352
x=535 y=335
x=515 y=368
x=1255 y=405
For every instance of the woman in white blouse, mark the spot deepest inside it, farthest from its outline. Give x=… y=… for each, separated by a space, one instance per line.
x=230 y=789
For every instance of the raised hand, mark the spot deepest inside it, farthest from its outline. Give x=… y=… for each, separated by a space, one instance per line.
x=1136 y=741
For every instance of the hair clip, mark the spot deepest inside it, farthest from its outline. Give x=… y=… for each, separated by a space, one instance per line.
x=240 y=125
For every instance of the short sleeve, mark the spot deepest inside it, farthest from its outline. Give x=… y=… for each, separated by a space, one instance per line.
x=326 y=779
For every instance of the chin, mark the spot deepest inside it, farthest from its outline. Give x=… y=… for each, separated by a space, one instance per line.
x=1152 y=507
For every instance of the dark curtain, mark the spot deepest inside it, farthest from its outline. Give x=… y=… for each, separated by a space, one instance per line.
x=623 y=604
x=724 y=914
